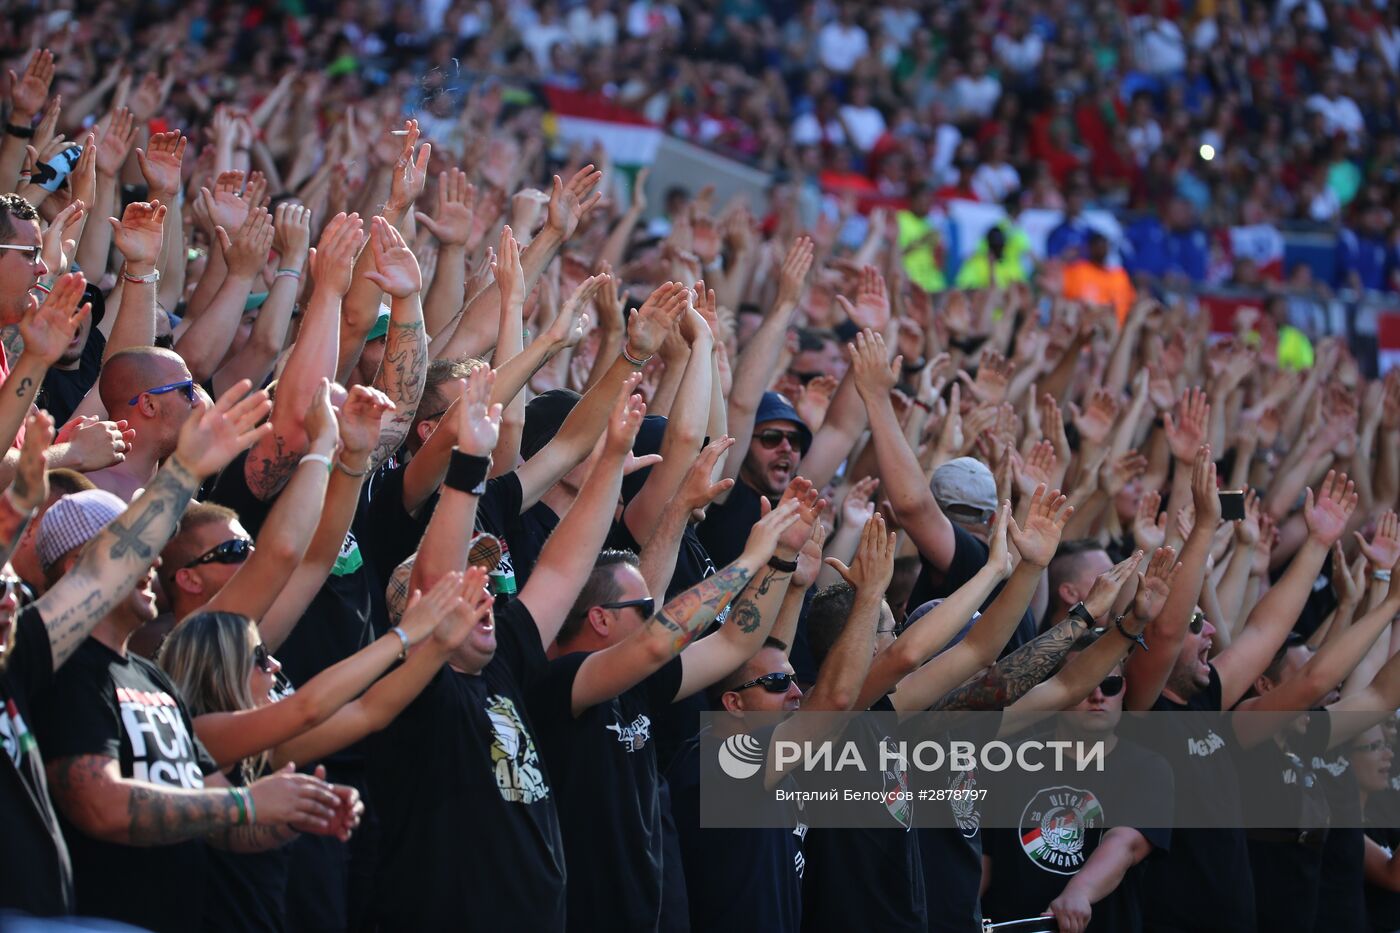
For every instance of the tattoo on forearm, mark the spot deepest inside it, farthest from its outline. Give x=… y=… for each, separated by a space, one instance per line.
x=746 y=614
x=259 y=838
x=685 y=616
x=402 y=376
x=267 y=474
x=13 y=342
x=155 y=815
x=1014 y=675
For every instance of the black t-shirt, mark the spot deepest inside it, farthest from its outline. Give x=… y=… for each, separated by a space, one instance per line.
x=969 y=556
x=247 y=891
x=125 y=708
x=498 y=513
x=37 y=877
x=604 y=765
x=1280 y=779
x=738 y=879
x=1383 y=825
x=470 y=830
x=348 y=611
x=1212 y=864
x=62 y=390
x=871 y=878
x=1341 y=903
x=396 y=533
x=727 y=524
x=1061 y=827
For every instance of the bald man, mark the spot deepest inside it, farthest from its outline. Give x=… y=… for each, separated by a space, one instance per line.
x=153 y=390
x=1072 y=572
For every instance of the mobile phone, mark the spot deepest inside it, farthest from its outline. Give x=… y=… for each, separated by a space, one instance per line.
x=1232 y=505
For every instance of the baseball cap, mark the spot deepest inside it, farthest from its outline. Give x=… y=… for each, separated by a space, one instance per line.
x=74 y=520
x=543 y=416
x=775 y=407
x=965 y=490
x=484 y=551
x=381 y=325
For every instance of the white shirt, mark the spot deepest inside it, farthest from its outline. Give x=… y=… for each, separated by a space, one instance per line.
x=1160 y=46
x=840 y=47
x=1019 y=55
x=540 y=39
x=590 y=30
x=1339 y=115
x=1144 y=140
x=865 y=124
x=976 y=96
x=994 y=183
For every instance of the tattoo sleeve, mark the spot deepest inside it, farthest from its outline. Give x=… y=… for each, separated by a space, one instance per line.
x=259 y=838
x=155 y=815
x=1014 y=675
x=401 y=377
x=686 y=616
x=266 y=472
x=113 y=562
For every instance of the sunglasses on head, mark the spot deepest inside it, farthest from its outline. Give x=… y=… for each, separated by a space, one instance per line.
x=184 y=385
x=32 y=253
x=772 y=437
x=232 y=551
x=1112 y=685
x=646 y=605
x=1198 y=622
x=262 y=658
x=773 y=683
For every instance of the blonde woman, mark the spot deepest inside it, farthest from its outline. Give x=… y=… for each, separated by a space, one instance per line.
x=252 y=724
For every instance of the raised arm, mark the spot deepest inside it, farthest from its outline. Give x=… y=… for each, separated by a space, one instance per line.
x=205 y=344
x=112 y=562
x=452 y=226
x=1326 y=515
x=138 y=235
x=567 y=557
x=661 y=546
x=405 y=368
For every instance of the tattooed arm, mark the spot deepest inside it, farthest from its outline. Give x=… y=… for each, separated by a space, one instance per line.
x=92 y=794
x=403 y=374
x=1013 y=676
x=112 y=563
x=607 y=673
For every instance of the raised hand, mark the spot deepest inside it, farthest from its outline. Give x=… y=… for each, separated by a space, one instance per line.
x=998 y=552
x=160 y=164
x=410 y=173
x=571 y=324
x=246 y=252
x=60 y=236
x=1348 y=582
x=291 y=234
x=766 y=533
x=478 y=421
x=320 y=422
x=874 y=376
x=872 y=306
x=1155 y=584
x=1097 y=419
x=50 y=328
x=1327 y=513
x=472 y=608
x=29 y=92
x=569 y=204
x=216 y=433
x=1205 y=491
x=648 y=328
x=396 y=268
x=873 y=564
x=994 y=373
x=1382 y=551
x=1104 y=593
x=696 y=490
x=792 y=276
x=1118 y=473
x=857 y=507
x=451 y=223
x=809 y=559
x=30 y=486
x=1036 y=470
x=116 y=142
x=333 y=259
x=1045 y=522
x=625 y=421
x=810 y=507
x=138 y=234
x=361 y=418
x=1186 y=432
x=1149 y=527
x=426 y=611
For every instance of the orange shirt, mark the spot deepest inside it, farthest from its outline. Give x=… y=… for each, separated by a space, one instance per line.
x=1085 y=281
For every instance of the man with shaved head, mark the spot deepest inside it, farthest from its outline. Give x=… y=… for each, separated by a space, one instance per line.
x=1072 y=573
x=152 y=389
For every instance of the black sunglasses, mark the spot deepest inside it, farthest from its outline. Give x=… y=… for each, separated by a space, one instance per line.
x=1112 y=685
x=771 y=438
x=232 y=551
x=262 y=658
x=17 y=588
x=1198 y=622
x=646 y=606
x=773 y=683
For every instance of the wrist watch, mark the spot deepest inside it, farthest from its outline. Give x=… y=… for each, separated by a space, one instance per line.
x=1080 y=611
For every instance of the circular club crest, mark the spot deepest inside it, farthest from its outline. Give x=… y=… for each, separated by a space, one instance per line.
x=1055 y=826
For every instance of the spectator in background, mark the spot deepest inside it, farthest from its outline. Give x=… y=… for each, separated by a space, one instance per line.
x=842 y=42
x=1091 y=279
x=1363 y=254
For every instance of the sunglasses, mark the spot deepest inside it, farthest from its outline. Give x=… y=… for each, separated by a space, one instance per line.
x=232 y=551
x=184 y=385
x=773 y=683
x=32 y=252
x=1112 y=685
x=646 y=606
x=1375 y=746
x=17 y=588
x=262 y=658
x=1198 y=622
x=771 y=438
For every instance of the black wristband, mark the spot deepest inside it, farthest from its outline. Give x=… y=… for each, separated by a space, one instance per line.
x=1082 y=612
x=782 y=566
x=915 y=366
x=1138 y=640
x=23 y=132
x=969 y=345
x=467 y=473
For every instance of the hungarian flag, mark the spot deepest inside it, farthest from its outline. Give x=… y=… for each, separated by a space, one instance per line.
x=1388 y=337
x=1262 y=243
x=578 y=117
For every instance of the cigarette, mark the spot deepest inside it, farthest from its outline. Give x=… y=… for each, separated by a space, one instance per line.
x=398 y=132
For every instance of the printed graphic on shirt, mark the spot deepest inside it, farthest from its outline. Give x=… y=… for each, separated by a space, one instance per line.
x=14 y=734
x=896 y=790
x=513 y=755
x=1054 y=827
x=162 y=751
x=635 y=737
x=964 y=802
x=349 y=560
x=1205 y=746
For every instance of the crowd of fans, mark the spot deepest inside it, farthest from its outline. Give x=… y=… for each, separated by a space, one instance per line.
x=376 y=524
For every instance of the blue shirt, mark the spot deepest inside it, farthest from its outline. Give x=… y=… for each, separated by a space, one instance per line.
x=1154 y=250
x=1367 y=256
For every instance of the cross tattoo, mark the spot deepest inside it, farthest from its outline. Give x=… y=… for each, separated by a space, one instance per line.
x=129 y=538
